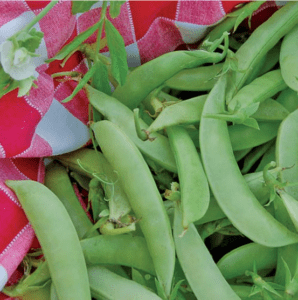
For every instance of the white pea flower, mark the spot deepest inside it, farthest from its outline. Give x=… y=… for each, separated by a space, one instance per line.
x=17 y=62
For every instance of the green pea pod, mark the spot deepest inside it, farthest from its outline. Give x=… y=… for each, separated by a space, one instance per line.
x=54 y=295
x=123 y=250
x=196 y=79
x=267 y=158
x=141 y=81
x=237 y=261
x=138 y=183
x=265 y=37
x=289 y=99
x=158 y=150
x=197 y=263
x=58 y=182
x=57 y=236
x=107 y=285
x=288 y=58
x=193 y=182
x=232 y=192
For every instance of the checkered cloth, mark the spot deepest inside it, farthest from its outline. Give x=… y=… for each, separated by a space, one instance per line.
x=39 y=125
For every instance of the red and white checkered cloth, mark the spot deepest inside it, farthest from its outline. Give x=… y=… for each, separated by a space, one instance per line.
x=39 y=125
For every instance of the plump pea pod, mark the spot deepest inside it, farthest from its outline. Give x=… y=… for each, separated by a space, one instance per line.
x=122 y=249
x=232 y=193
x=57 y=236
x=288 y=58
x=107 y=285
x=196 y=79
x=193 y=182
x=144 y=197
x=265 y=37
x=95 y=164
x=258 y=90
x=58 y=182
x=144 y=79
x=286 y=157
x=199 y=268
x=237 y=261
x=289 y=99
x=158 y=150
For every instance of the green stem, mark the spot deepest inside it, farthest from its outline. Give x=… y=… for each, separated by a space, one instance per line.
x=102 y=16
x=40 y=16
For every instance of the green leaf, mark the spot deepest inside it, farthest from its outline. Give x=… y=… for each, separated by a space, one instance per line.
x=117 y=53
x=251 y=122
x=175 y=290
x=115 y=8
x=100 y=79
x=30 y=40
x=74 y=44
x=81 y=6
x=160 y=291
x=25 y=86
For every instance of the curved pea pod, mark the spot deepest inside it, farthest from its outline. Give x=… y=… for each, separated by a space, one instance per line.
x=154 y=73
x=122 y=249
x=158 y=150
x=58 y=182
x=194 y=186
x=258 y=90
x=227 y=184
x=196 y=79
x=197 y=263
x=57 y=236
x=139 y=186
x=265 y=37
x=289 y=99
x=237 y=261
x=288 y=59
x=105 y=284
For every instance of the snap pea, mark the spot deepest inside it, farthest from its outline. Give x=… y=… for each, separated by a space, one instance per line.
x=158 y=150
x=57 y=236
x=138 y=183
x=289 y=99
x=288 y=58
x=58 y=182
x=232 y=192
x=199 y=268
x=197 y=79
x=122 y=249
x=105 y=284
x=143 y=80
x=193 y=182
x=265 y=37
x=237 y=261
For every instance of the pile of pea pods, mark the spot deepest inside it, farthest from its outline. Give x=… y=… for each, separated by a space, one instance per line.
x=188 y=197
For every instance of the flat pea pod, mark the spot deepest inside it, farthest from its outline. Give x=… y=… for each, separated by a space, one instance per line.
x=232 y=193
x=288 y=58
x=57 y=236
x=265 y=37
x=138 y=183
x=197 y=79
x=194 y=186
x=289 y=99
x=158 y=150
x=197 y=263
x=58 y=182
x=107 y=285
x=258 y=90
x=122 y=249
x=141 y=81
x=237 y=261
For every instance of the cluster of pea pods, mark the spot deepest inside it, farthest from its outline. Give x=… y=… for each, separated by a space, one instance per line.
x=165 y=174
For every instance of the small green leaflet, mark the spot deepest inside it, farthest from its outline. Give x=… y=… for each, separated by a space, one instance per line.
x=117 y=52
x=115 y=7
x=81 y=6
x=30 y=40
x=100 y=79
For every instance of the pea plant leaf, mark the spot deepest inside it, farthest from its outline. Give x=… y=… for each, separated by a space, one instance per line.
x=100 y=79
x=81 y=6
x=115 y=7
x=30 y=40
x=117 y=52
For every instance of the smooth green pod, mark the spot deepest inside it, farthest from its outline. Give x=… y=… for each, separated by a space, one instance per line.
x=194 y=186
x=57 y=236
x=138 y=183
x=289 y=99
x=197 y=263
